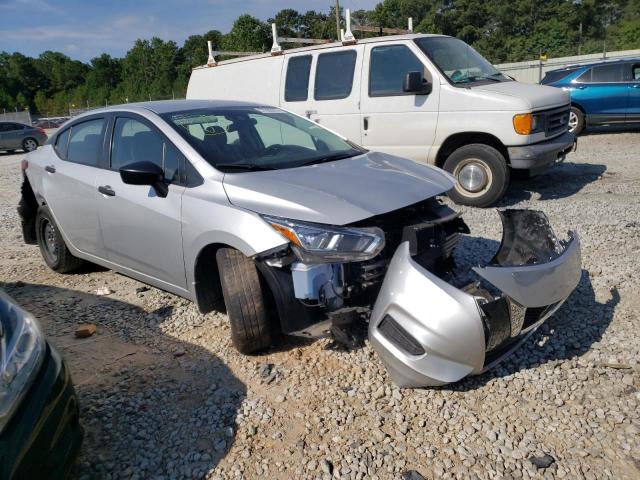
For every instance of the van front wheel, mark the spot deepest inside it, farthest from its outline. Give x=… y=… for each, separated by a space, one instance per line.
x=481 y=172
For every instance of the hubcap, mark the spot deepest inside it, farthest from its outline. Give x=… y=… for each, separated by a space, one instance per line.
x=49 y=234
x=30 y=145
x=573 y=121
x=473 y=177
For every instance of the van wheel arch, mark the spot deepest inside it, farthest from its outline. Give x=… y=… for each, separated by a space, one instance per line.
x=457 y=140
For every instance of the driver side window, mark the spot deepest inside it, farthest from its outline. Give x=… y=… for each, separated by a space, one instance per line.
x=134 y=141
x=274 y=132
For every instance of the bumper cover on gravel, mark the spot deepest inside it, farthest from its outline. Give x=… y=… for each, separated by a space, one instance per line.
x=429 y=333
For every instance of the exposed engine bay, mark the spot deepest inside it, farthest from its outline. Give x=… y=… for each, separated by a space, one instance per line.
x=427 y=328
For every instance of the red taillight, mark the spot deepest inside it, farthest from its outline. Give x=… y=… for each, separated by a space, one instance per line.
x=42 y=131
x=24 y=164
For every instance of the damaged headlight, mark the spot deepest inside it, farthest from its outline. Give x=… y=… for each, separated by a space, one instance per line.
x=316 y=243
x=22 y=349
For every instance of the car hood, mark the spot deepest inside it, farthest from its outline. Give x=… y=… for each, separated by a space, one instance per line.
x=339 y=192
x=536 y=96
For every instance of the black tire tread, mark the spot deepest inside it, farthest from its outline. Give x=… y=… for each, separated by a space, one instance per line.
x=580 y=116
x=66 y=261
x=244 y=300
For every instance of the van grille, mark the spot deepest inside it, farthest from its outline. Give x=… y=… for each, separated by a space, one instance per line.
x=556 y=121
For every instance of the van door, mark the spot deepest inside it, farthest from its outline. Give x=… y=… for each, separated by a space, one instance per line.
x=393 y=121
x=324 y=86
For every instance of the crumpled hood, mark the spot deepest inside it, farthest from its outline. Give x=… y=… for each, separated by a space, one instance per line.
x=339 y=192
x=537 y=96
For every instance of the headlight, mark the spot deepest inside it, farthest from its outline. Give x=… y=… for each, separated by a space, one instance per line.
x=22 y=349
x=315 y=243
x=528 y=123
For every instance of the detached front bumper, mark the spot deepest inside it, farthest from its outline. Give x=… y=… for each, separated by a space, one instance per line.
x=540 y=156
x=429 y=333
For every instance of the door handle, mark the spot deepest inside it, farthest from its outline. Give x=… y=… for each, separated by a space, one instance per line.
x=365 y=123
x=635 y=85
x=107 y=190
x=50 y=169
x=308 y=113
x=581 y=87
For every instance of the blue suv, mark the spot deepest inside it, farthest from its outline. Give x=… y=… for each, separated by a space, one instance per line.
x=601 y=93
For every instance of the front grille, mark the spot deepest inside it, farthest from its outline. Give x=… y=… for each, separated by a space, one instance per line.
x=556 y=121
x=392 y=331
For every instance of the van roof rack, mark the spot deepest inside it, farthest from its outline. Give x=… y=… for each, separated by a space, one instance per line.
x=346 y=37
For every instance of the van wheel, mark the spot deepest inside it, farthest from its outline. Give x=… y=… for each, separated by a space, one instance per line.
x=576 y=121
x=481 y=172
x=245 y=300
x=52 y=247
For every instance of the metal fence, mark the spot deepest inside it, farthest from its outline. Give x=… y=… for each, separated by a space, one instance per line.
x=23 y=116
x=532 y=71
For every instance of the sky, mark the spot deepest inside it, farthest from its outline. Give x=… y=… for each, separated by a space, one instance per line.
x=84 y=29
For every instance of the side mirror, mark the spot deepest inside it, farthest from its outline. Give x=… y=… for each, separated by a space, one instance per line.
x=414 y=82
x=145 y=173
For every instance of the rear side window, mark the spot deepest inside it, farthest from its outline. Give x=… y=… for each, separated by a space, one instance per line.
x=85 y=142
x=134 y=141
x=607 y=73
x=388 y=68
x=635 y=72
x=334 y=75
x=296 y=85
x=61 y=143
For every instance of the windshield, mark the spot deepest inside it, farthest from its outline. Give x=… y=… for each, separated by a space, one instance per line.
x=458 y=61
x=258 y=138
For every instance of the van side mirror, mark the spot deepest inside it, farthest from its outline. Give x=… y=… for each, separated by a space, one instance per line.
x=415 y=83
x=145 y=173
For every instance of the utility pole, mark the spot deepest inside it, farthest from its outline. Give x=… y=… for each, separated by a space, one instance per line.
x=338 y=20
x=580 y=40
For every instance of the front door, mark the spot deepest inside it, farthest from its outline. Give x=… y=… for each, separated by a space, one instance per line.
x=11 y=135
x=142 y=231
x=393 y=121
x=325 y=87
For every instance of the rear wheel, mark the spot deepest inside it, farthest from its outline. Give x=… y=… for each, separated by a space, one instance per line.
x=52 y=247
x=29 y=144
x=245 y=300
x=576 y=121
x=481 y=172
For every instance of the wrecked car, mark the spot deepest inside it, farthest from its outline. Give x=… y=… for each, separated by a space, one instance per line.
x=292 y=229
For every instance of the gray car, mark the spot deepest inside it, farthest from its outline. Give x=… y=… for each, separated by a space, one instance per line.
x=17 y=136
x=293 y=229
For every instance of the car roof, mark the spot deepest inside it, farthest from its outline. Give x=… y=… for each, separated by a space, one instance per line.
x=594 y=64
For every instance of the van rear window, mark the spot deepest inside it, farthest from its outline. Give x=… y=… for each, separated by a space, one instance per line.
x=296 y=85
x=334 y=75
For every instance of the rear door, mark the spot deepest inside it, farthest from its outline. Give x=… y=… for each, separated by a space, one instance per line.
x=69 y=186
x=331 y=80
x=141 y=231
x=633 y=112
x=603 y=92
x=393 y=121
x=11 y=135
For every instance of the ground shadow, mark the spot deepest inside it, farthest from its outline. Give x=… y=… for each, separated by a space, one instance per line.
x=562 y=181
x=609 y=129
x=569 y=333
x=151 y=405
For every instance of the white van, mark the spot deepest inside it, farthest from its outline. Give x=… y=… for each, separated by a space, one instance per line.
x=430 y=98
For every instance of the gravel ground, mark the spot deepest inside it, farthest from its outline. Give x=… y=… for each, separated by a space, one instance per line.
x=164 y=395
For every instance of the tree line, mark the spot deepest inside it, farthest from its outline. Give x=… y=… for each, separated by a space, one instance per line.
x=153 y=68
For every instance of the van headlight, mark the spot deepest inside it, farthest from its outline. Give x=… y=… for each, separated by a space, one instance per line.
x=528 y=123
x=317 y=243
x=22 y=350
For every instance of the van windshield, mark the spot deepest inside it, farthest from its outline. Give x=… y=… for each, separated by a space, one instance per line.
x=258 y=138
x=458 y=61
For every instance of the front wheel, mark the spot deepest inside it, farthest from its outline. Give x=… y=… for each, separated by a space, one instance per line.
x=245 y=300
x=576 y=121
x=481 y=172
x=29 y=145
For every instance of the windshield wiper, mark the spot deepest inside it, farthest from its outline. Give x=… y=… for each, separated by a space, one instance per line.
x=249 y=167
x=329 y=158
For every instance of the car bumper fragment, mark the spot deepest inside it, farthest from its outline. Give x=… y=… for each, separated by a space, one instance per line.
x=539 y=156
x=428 y=332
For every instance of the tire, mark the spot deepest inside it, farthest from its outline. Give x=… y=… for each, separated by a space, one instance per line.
x=29 y=144
x=481 y=167
x=245 y=301
x=52 y=247
x=576 y=121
